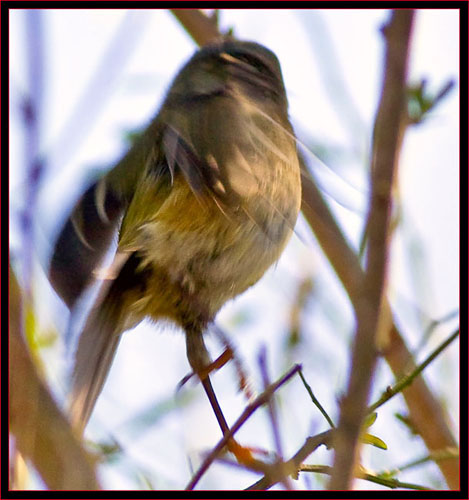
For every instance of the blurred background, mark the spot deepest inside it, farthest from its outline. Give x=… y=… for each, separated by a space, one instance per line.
x=94 y=78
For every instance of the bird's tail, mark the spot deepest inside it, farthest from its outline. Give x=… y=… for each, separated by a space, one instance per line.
x=96 y=349
x=97 y=345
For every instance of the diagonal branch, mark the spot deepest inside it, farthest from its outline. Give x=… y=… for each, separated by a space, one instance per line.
x=261 y=400
x=408 y=379
x=367 y=308
x=42 y=433
x=201 y=28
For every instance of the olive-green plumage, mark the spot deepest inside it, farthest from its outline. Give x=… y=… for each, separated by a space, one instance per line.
x=206 y=200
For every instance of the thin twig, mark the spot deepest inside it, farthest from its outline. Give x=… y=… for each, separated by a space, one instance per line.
x=311 y=444
x=315 y=400
x=427 y=414
x=434 y=324
x=407 y=380
x=385 y=156
x=249 y=410
x=388 y=482
x=436 y=456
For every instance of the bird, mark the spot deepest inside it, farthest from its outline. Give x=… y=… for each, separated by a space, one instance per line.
x=202 y=205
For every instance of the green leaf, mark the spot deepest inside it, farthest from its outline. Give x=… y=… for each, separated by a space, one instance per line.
x=370 y=420
x=420 y=102
x=374 y=441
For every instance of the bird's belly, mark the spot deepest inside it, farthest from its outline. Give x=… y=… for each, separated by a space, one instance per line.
x=198 y=263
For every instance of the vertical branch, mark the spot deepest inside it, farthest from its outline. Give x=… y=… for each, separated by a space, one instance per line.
x=385 y=156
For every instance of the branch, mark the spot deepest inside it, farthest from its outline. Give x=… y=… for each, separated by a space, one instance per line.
x=249 y=410
x=367 y=308
x=201 y=28
x=426 y=412
x=311 y=444
x=388 y=482
x=408 y=379
x=42 y=434
x=315 y=400
x=436 y=456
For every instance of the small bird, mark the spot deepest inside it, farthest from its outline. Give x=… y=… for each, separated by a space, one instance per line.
x=203 y=204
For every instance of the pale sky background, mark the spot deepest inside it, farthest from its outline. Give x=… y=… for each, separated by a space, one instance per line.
x=95 y=92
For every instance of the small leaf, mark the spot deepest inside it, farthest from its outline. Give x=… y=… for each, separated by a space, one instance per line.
x=370 y=420
x=388 y=474
x=420 y=102
x=374 y=441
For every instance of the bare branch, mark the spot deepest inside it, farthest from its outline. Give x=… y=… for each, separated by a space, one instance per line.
x=311 y=444
x=250 y=409
x=200 y=27
x=42 y=433
x=427 y=414
x=388 y=482
x=367 y=308
x=408 y=379
x=315 y=400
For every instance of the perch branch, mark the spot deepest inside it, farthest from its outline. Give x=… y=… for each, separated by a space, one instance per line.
x=250 y=409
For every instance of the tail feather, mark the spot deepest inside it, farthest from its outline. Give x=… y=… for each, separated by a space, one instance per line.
x=97 y=345
x=96 y=350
